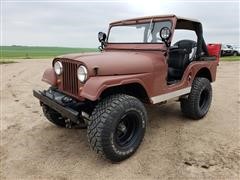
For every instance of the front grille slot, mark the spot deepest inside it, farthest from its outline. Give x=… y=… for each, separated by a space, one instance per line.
x=70 y=81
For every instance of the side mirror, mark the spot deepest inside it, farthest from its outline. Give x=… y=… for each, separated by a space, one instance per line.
x=102 y=37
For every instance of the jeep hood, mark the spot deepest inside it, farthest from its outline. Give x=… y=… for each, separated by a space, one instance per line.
x=115 y=63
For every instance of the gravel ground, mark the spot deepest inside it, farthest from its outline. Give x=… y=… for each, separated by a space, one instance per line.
x=174 y=147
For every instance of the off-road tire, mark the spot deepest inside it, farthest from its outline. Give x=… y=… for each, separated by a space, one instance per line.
x=53 y=116
x=103 y=130
x=197 y=104
x=56 y=118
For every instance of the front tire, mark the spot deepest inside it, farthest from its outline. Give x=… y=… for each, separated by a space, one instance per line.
x=197 y=104
x=55 y=118
x=117 y=126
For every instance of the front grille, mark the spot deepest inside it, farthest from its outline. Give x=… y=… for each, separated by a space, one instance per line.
x=70 y=81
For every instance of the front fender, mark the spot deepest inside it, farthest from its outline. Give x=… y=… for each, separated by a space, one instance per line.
x=49 y=76
x=96 y=85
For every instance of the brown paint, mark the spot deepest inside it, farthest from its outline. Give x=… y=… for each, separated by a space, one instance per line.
x=118 y=64
x=49 y=76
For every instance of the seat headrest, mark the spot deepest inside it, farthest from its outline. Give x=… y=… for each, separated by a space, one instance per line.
x=186 y=44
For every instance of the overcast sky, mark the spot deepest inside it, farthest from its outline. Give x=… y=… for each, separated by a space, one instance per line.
x=76 y=24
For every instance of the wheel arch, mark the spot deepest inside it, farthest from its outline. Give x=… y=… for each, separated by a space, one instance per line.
x=204 y=72
x=133 y=89
x=99 y=87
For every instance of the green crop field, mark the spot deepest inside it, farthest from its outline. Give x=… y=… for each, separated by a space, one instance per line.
x=32 y=52
x=230 y=58
x=9 y=53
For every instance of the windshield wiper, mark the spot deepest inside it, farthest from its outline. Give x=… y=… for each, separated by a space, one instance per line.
x=151 y=27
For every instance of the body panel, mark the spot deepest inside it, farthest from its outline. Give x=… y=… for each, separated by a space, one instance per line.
x=143 y=63
x=149 y=69
x=116 y=62
x=50 y=77
x=96 y=85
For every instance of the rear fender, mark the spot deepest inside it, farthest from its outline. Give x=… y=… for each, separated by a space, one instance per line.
x=195 y=67
x=94 y=86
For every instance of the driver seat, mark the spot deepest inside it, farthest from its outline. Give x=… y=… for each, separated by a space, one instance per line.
x=180 y=58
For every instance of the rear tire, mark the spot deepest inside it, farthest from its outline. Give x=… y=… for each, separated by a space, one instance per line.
x=197 y=104
x=117 y=127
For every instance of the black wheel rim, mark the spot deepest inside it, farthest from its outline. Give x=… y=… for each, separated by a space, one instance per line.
x=204 y=98
x=127 y=130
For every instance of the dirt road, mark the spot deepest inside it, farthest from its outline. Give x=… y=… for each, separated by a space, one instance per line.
x=174 y=147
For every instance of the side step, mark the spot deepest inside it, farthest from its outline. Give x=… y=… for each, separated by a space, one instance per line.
x=167 y=96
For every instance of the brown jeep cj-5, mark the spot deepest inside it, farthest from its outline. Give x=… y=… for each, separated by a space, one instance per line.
x=138 y=64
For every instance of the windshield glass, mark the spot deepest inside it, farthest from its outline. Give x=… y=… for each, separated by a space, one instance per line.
x=138 y=33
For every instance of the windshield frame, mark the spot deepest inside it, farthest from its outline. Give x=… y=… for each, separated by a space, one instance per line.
x=136 y=23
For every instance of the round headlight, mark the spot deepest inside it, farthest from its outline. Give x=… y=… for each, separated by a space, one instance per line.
x=58 y=68
x=82 y=73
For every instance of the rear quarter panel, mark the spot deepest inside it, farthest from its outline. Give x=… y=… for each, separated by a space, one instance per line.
x=161 y=86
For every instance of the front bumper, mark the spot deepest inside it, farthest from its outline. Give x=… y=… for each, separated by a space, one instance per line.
x=55 y=102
